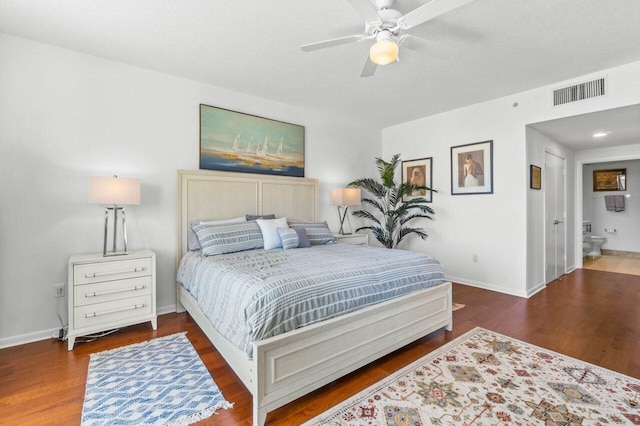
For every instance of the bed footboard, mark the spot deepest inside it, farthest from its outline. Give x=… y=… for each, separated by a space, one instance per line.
x=303 y=360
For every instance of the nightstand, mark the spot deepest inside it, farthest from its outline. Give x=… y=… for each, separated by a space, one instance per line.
x=110 y=292
x=357 y=239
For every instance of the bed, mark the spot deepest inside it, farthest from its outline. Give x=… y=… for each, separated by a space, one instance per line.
x=280 y=368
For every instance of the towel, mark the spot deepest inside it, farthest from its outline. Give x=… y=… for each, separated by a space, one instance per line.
x=614 y=203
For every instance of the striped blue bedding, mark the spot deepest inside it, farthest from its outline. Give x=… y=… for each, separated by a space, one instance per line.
x=256 y=294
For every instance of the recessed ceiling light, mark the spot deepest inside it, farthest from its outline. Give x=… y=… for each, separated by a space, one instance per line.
x=600 y=135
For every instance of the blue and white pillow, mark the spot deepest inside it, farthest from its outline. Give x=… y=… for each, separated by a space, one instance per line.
x=228 y=238
x=318 y=232
x=192 y=239
x=289 y=238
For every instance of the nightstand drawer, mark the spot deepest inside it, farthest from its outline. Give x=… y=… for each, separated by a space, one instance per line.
x=118 y=310
x=112 y=290
x=112 y=270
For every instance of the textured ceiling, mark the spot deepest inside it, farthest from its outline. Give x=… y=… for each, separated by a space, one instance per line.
x=498 y=47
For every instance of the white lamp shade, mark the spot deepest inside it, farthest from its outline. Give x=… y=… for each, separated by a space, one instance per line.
x=114 y=190
x=345 y=197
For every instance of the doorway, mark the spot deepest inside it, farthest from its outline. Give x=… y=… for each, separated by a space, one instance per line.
x=555 y=216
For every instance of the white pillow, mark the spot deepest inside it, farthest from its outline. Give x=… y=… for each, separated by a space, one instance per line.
x=269 y=228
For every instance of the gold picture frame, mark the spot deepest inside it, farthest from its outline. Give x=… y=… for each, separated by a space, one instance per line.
x=418 y=172
x=610 y=180
x=535 y=177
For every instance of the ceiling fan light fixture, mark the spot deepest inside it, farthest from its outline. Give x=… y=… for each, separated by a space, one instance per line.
x=383 y=52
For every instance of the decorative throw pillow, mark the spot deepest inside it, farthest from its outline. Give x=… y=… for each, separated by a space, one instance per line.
x=269 y=228
x=303 y=239
x=318 y=232
x=192 y=239
x=257 y=216
x=228 y=238
x=289 y=238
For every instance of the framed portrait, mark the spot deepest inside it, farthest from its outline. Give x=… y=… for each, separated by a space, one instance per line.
x=535 y=177
x=472 y=168
x=237 y=142
x=610 y=180
x=418 y=172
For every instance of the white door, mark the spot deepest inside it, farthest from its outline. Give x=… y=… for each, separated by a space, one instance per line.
x=555 y=216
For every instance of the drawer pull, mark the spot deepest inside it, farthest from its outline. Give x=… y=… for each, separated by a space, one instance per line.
x=104 y=274
x=113 y=311
x=119 y=290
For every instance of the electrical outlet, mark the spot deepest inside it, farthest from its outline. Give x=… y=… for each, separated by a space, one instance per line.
x=475 y=257
x=58 y=290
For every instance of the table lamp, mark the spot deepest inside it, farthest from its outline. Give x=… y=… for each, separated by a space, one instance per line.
x=115 y=192
x=343 y=198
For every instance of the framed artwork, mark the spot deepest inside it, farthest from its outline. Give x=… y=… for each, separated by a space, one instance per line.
x=610 y=180
x=418 y=172
x=237 y=142
x=535 y=177
x=472 y=168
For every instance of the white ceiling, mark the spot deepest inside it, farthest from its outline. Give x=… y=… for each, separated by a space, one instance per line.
x=499 y=47
x=622 y=126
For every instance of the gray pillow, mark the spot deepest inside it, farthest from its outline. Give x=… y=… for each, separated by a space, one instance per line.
x=257 y=216
x=303 y=239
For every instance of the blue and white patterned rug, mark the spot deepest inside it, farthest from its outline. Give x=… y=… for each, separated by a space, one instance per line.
x=159 y=382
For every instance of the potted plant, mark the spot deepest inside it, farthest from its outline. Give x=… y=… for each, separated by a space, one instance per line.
x=391 y=215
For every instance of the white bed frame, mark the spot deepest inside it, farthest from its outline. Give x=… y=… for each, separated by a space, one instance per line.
x=293 y=364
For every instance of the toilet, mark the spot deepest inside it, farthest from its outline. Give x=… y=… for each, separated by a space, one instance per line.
x=596 y=243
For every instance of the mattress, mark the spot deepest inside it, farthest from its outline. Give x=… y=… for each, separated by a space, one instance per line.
x=256 y=294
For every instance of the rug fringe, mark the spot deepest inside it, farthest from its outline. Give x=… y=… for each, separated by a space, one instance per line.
x=204 y=414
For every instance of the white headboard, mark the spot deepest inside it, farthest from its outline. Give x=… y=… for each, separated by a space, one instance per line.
x=204 y=194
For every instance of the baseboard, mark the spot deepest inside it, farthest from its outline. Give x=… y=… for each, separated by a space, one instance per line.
x=622 y=253
x=36 y=336
x=22 y=339
x=486 y=286
x=539 y=287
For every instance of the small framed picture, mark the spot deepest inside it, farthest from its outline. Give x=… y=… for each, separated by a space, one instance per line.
x=418 y=172
x=472 y=168
x=535 y=177
x=610 y=180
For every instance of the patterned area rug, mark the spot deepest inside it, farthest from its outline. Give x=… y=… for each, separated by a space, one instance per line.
x=159 y=382
x=484 y=378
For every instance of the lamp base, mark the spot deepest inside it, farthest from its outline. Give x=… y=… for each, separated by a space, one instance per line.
x=114 y=251
x=342 y=217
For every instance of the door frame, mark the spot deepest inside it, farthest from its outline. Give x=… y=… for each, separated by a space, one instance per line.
x=592 y=157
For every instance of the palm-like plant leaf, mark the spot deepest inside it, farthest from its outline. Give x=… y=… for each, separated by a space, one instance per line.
x=390 y=213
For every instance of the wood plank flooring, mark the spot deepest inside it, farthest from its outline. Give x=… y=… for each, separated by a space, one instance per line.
x=613 y=263
x=590 y=315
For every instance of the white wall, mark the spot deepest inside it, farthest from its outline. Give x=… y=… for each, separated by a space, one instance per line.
x=496 y=226
x=627 y=237
x=66 y=116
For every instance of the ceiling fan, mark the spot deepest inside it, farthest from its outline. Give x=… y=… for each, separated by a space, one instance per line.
x=387 y=27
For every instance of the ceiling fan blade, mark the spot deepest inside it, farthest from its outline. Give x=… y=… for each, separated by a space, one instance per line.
x=427 y=47
x=366 y=10
x=431 y=10
x=369 y=68
x=331 y=43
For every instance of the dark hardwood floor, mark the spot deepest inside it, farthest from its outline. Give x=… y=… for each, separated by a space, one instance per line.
x=589 y=315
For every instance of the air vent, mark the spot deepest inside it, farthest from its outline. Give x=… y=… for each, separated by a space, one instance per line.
x=579 y=92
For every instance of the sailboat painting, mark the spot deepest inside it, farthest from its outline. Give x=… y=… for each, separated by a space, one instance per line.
x=237 y=142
